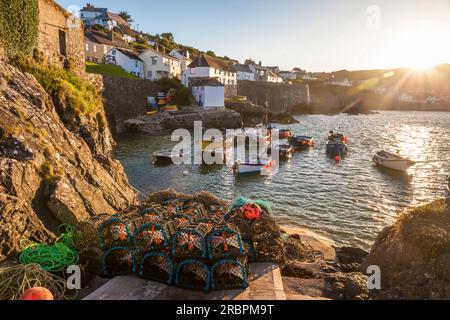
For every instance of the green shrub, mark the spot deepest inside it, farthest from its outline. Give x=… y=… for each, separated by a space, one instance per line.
x=182 y=97
x=66 y=89
x=19 y=21
x=169 y=83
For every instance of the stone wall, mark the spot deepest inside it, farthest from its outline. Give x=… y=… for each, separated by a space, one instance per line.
x=125 y=98
x=278 y=97
x=54 y=19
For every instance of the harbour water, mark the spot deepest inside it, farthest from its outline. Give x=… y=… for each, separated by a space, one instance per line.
x=348 y=202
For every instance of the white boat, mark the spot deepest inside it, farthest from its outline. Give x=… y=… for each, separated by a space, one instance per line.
x=392 y=161
x=447 y=192
x=254 y=137
x=254 y=165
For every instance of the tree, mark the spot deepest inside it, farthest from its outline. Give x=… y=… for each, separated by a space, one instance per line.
x=210 y=53
x=125 y=16
x=168 y=36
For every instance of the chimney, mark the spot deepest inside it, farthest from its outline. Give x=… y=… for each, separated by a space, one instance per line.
x=110 y=35
x=90 y=7
x=260 y=63
x=187 y=54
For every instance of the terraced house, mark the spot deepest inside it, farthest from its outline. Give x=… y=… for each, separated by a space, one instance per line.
x=205 y=66
x=158 y=65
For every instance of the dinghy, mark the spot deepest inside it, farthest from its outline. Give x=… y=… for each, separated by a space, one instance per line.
x=286 y=133
x=254 y=166
x=167 y=156
x=392 y=161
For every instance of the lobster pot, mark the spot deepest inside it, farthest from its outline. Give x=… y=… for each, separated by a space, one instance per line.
x=270 y=250
x=193 y=274
x=181 y=221
x=194 y=212
x=156 y=213
x=224 y=242
x=157 y=267
x=118 y=230
x=154 y=236
x=243 y=225
x=191 y=242
x=265 y=228
x=195 y=206
x=212 y=221
x=229 y=274
x=173 y=206
x=118 y=261
x=249 y=250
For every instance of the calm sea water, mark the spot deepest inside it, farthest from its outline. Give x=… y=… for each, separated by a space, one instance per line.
x=348 y=202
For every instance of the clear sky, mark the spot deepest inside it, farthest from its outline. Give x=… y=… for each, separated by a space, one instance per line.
x=316 y=35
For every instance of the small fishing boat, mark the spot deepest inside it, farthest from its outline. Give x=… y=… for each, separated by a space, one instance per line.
x=285 y=151
x=392 y=161
x=168 y=156
x=152 y=112
x=254 y=166
x=301 y=142
x=337 y=148
x=286 y=133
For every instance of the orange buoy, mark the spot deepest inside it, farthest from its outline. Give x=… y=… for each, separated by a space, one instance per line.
x=37 y=293
x=338 y=158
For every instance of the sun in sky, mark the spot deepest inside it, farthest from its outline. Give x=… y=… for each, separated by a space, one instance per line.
x=420 y=47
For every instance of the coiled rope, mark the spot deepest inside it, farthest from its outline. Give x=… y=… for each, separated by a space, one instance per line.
x=51 y=258
x=16 y=279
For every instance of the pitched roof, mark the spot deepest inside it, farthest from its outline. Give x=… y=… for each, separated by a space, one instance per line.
x=270 y=73
x=242 y=68
x=102 y=38
x=207 y=61
x=130 y=54
x=161 y=53
x=111 y=16
x=205 y=82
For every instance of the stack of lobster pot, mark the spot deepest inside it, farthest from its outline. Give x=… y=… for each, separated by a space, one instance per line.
x=115 y=238
x=210 y=254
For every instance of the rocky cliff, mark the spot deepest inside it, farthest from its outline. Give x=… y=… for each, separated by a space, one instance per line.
x=55 y=165
x=414 y=254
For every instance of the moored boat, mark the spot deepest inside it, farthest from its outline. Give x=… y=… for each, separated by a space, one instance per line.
x=392 y=161
x=336 y=148
x=286 y=133
x=301 y=142
x=168 y=156
x=254 y=165
x=285 y=151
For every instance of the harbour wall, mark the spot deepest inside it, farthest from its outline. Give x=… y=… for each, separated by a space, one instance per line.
x=279 y=98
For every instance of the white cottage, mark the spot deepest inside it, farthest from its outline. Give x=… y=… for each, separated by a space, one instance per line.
x=244 y=73
x=209 y=67
x=183 y=56
x=209 y=93
x=158 y=65
x=126 y=59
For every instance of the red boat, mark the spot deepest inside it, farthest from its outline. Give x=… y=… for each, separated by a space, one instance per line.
x=286 y=133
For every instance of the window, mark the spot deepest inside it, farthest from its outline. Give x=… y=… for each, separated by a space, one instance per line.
x=95 y=48
x=150 y=74
x=192 y=70
x=62 y=43
x=87 y=46
x=154 y=61
x=114 y=52
x=105 y=49
x=136 y=63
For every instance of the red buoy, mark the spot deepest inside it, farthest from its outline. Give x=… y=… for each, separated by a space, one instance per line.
x=37 y=294
x=338 y=158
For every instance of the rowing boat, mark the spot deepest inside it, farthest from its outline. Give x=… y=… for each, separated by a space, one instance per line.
x=392 y=161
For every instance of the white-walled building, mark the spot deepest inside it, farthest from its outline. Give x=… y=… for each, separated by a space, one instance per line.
x=183 y=56
x=244 y=73
x=127 y=60
x=101 y=16
x=209 y=67
x=340 y=82
x=273 y=77
x=288 y=75
x=209 y=93
x=158 y=65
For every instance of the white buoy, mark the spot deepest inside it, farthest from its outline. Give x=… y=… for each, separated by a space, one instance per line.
x=185 y=173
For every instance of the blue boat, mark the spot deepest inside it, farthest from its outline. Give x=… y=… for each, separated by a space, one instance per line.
x=336 y=148
x=301 y=142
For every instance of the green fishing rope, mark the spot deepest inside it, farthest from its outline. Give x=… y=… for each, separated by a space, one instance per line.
x=51 y=258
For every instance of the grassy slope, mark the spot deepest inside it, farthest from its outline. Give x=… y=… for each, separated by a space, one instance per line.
x=108 y=70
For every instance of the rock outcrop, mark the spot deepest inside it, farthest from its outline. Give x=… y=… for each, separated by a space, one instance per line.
x=414 y=254
x=55 y=166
